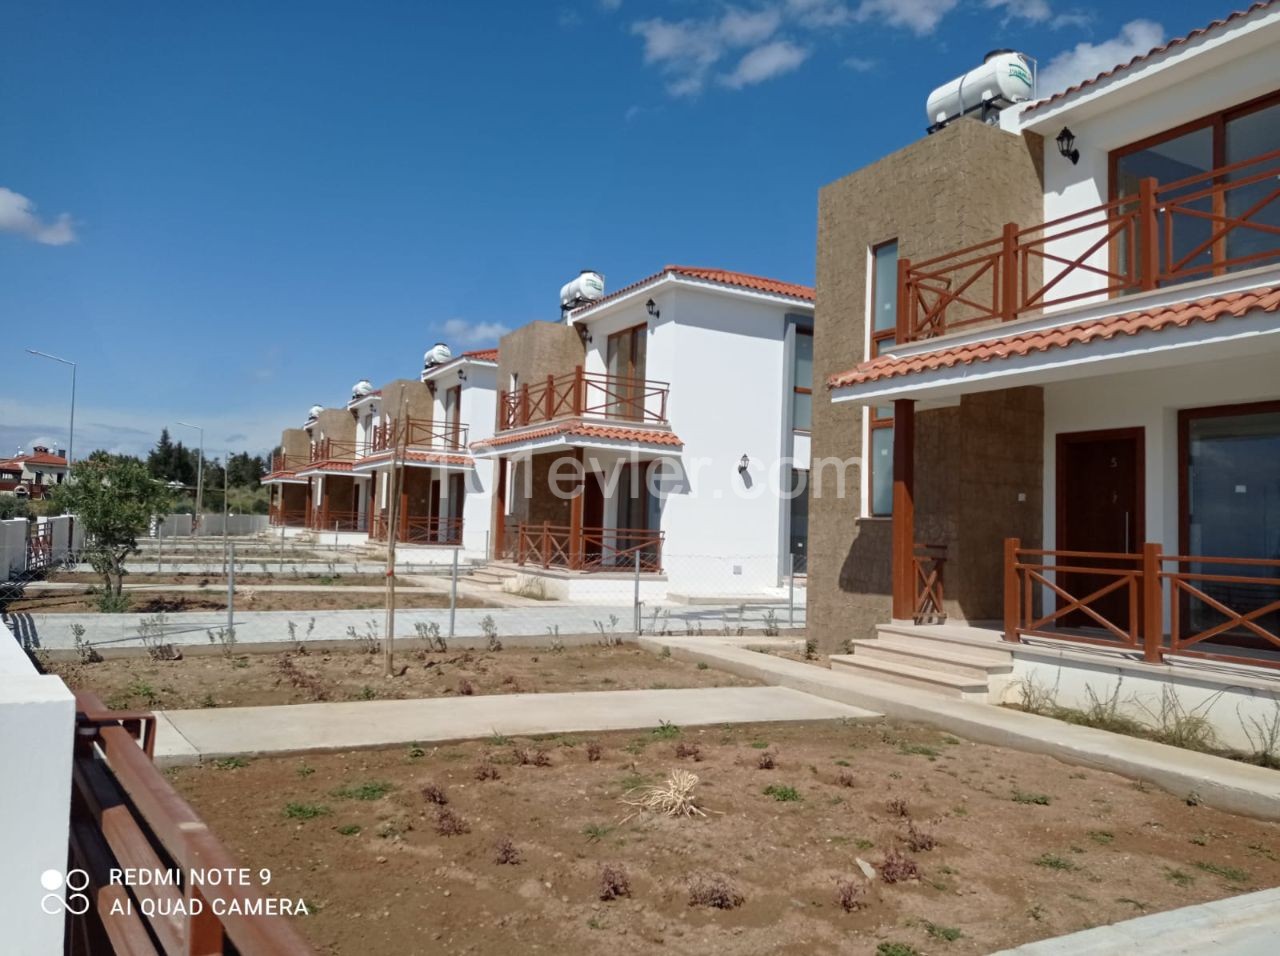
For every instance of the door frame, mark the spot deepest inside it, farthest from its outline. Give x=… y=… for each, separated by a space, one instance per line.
x=1137 y=434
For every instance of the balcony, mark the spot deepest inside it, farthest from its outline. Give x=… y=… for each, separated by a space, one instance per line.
x=415 y=530
x=419 y=434
x=1207 y=225
x=287 y=464
x=581 y=394
x=582 y=549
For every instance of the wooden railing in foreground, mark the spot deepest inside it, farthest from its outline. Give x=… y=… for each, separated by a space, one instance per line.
x=289 y=518
x=580 y=393
x=1157 y=588
x=322 y=519
x=595 y=549
x=928 y=562
x=125 y=814
x=1121 y=247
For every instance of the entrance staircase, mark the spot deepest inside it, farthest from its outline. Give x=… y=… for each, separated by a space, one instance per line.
x=491 y=576
x=955 y=660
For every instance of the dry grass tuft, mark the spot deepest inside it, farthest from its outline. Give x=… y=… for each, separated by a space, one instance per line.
x=673 y=799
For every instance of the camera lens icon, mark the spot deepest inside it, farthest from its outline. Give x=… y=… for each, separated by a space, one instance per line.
x=76 y=902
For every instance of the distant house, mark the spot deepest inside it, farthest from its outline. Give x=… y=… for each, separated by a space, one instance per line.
x=31 y=476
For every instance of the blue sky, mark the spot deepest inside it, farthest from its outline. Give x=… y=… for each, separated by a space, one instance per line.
x=226 y=212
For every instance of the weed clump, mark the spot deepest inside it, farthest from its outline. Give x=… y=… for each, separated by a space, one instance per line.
x=531 y=757
x=434 y=793
x=849 y=894
x=688 y=752
x=449 y=823
x=465 y=688
x=897 y=867
x=897 y=807
x=487 y=771
x=715 y=892
x=506 y=853
x=919 y=840
x=845 y=779
x=614 y=882
x=767 y=760
x=594 y=750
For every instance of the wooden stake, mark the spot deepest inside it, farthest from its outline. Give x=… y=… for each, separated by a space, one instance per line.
x=393 y=523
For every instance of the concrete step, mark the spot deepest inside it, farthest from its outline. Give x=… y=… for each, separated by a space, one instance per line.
x=977 y=642
x=932 y=655
x=490 y=576
x=948 y=685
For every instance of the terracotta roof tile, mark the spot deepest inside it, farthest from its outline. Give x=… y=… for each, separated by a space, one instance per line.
x=482 y=355
x=37 y=458
x=574 y=428
x=740 y=280
x=1175 y=42
x=431 y=457
x=1181 y=314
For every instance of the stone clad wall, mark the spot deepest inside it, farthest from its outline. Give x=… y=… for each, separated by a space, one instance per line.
x=938 y=195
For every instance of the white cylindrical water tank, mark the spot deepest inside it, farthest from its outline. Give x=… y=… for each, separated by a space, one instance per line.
x=438 y=354
x=1005 y=77
x=361 y=389
x=315 y=411
x=588 y=287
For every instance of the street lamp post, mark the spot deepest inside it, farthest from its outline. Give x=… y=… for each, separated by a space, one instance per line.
x=199 y=473
x=71 y=434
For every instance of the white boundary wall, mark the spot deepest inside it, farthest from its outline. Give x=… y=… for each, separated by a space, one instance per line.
x=13 y=547
x=38 y=716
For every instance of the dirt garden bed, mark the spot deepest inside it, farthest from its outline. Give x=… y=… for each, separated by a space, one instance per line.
x=244 y=680
x=1022 y=847
x=147 y=601
x=214 y=579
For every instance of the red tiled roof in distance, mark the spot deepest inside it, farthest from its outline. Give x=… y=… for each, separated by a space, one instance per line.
x=481 y=355
x=36 y=458
x=740 y=280
x=1175 y=42
x=1234 y=305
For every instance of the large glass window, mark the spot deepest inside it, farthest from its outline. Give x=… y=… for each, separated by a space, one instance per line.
x=1201 y=246
x=1232 y=501
x=625 y=358
x=884 y=326
x=802 y=372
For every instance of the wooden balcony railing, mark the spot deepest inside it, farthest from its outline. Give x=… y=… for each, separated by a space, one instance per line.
x=443 y=531
x=124 y=813
x=329 y=449
x=282 y=462
x=323 y=519
x=594 y=549
x=1205 y=225
x=1124 y=600
x=579 y=394
x=418 y=434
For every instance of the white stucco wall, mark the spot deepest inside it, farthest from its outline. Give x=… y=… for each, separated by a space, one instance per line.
x=38 y=716
x=1149 y=400
x=727 y=360
x=1137 y=106
x=13 y=547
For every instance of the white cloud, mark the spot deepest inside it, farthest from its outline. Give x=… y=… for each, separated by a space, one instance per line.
x=820 y=13
x=464 y=333
x=685 y=51
x=610 y=5
x=1086 y=60
x=1036 y=11
x=918 y=16
x=18 y=215
x=861 y=64
x=764 y=63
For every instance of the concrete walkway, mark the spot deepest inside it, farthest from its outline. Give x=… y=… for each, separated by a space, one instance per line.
x=1216 y=781
x=1246 y=925
x=189 y=736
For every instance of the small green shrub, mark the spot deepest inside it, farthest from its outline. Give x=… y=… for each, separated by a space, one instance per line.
x=781 y=793
x=305 y=811
x=374 y=790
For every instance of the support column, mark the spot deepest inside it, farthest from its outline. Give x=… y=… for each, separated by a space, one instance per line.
x=576 y=504
x=904 y=509
x=499 y=507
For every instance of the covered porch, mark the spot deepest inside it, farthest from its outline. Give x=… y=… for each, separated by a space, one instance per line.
x=290 y=493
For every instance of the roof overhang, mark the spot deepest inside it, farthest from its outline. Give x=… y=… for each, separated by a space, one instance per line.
x=577 y=433
x=326 y=468
x=454 y=364
x=1178 y=61
x=1157 y=334
x=284 y=478
x=665 y=280
x=445 y=461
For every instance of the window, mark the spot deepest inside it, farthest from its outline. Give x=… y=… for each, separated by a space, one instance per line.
x=1221 y=139
x=453 y=412
x=884 y=327
x=799 y=525
x=626 y=365
x=802 y=379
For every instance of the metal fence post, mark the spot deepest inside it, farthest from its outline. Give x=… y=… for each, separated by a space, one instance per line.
x=282 y=545
x=453 y=594
x=637 y=593
x=791 y=589
x=160 y=553
x=231 y=589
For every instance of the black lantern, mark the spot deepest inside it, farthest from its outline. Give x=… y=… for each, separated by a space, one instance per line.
x=743 y=464
x=1066 y=146
x=462 y=375
x=652 y=308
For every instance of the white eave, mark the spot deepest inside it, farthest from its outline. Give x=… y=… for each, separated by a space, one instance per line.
x=590 y=312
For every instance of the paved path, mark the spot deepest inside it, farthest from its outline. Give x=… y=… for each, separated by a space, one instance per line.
x=540 y=619
x=1247 y=925
x=1217 y=782
x=188 y=736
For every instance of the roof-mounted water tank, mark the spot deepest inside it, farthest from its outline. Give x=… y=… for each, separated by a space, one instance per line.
x=314 y=412
x=361 y=389
x=588 y=287
x=1006 y=77
x=438 y=354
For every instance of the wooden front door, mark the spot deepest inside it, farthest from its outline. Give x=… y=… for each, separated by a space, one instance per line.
x=1100 y=508
x=626 y=360
x=592 y=517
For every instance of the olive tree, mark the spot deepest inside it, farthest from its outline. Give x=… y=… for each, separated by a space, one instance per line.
x=113 y=498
